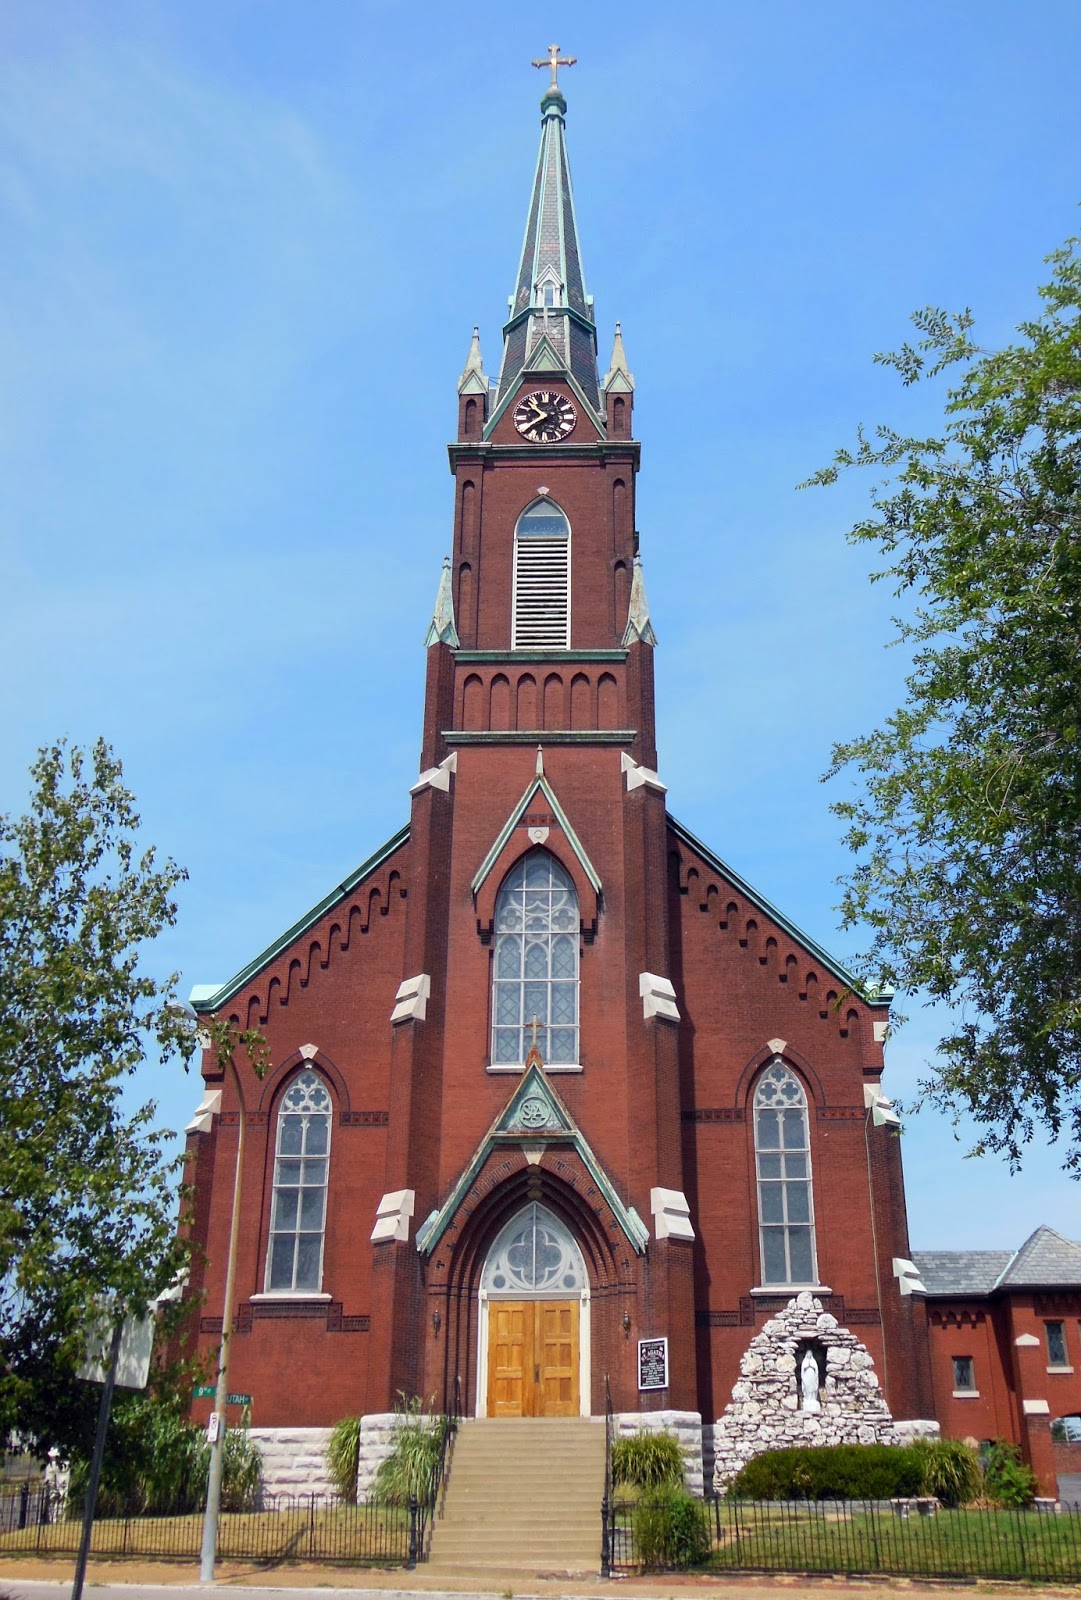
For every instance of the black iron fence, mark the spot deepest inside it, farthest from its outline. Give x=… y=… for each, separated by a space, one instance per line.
x=917 y=1539
x=286 y=1528
x=35 y=1519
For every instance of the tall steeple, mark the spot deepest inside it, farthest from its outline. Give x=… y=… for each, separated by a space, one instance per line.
x=550 y=302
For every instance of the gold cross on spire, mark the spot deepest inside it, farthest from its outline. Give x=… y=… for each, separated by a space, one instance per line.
x=554 y=60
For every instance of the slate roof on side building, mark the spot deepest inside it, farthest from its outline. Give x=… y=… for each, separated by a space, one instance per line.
x=1045 y=1260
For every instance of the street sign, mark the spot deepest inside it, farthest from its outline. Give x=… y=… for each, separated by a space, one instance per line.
x=238 y=1399
x=203 y=1391
x=136 y=1343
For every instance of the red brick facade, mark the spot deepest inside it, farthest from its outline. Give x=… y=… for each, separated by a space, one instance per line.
x=657 y=1102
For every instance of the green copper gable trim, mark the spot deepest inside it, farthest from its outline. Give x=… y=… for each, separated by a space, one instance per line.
x=540 y=782
x=533 y=1084
x=564 y=373
x=207 y=998
x=872 y=998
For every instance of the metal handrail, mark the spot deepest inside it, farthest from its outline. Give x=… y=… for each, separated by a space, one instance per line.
x=606 y=1503
x=422 y=1516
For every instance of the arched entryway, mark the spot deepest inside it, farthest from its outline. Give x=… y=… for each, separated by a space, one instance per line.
x=534 y=1324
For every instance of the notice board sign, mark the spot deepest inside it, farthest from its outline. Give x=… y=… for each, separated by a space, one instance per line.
x=653 y=1364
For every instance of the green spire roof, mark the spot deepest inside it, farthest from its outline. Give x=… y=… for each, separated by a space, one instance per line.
x=550 y=299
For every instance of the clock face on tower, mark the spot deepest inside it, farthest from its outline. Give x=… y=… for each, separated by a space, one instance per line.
x=544 y=416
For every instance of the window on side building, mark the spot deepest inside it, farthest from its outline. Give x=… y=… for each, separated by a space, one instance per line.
x=964 y=1375
x=1055 y=1333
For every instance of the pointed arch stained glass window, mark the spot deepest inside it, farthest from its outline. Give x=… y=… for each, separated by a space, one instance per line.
x=536 y=963
x=535 y=1254
x=783 y=1154
x=298 y=1214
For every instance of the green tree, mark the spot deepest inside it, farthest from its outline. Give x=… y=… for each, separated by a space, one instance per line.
x=966 y=819
x=88 y=1194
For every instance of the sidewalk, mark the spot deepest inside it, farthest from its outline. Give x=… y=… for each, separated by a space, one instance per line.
x=245 y=1576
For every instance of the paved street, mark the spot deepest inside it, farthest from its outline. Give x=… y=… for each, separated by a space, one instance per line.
x=312 y=1584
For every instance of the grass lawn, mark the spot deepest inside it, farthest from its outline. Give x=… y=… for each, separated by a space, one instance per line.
x=985 y=1544
x=346 y=1533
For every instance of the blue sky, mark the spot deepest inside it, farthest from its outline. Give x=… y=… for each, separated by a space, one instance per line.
x=244 y=245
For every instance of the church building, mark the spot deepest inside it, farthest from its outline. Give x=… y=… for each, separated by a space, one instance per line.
x=558 y=1104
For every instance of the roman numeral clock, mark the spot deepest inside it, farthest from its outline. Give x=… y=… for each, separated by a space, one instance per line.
x=544 y=416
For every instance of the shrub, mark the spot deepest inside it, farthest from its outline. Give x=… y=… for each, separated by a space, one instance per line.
x=343 y=1456
x=648 y=1460
x=156 y=1460
x=410 y=1469
x=1007 y=1480
x=242 y=1471
x=831 y=1472
x=951 y=1470
x=670 y=1528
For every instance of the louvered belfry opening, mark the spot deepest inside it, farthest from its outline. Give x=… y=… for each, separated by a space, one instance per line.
x=542 y=579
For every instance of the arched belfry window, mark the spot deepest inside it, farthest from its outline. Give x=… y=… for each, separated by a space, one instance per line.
x=783 y=1152
x=542 y=579
x=535 y=1254
x=535 y=972
x=298 y=1214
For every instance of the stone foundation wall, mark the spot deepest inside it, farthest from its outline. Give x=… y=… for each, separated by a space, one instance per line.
x=294 y=1460
x=376 y=1444
x=767 y=1411
x=687 y=1427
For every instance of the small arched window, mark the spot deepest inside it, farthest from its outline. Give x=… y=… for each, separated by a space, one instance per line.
x=542 y=570
x=298 y=1214
x=536 y=963
x=783 y=1153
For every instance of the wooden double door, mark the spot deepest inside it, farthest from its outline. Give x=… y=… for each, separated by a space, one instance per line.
x=533 y=1358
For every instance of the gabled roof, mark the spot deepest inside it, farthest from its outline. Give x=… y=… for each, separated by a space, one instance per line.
x=544 y=357
x=1045 y=1260
x=537 y=785
x=536 y=1114
x=881 y=997
x=208 y=997
x=951 y=1272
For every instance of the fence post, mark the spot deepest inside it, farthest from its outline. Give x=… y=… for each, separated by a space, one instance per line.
x=24 y=1503
x=606 y=1541
x=413 y=1532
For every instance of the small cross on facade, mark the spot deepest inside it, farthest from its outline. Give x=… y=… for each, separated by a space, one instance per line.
x=554 y=60
x=535 y=1024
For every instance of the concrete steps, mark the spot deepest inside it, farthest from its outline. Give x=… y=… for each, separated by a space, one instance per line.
x=523 y=1496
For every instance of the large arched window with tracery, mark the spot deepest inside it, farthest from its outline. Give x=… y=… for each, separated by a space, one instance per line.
x=542 y=579
x=783 y=1153
x=535 y=972
x=535 y=1254
x=299 y=1210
